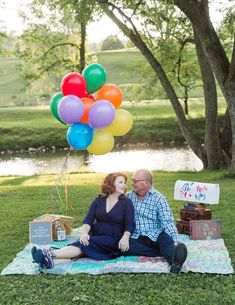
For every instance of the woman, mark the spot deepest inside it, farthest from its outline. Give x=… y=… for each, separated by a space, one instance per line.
x=106 y=228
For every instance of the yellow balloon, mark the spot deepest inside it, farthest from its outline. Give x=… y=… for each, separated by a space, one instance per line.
x=102 y=143
x=121 y=124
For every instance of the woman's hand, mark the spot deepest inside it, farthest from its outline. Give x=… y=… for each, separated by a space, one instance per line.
x=123 y=244
x=84 y=239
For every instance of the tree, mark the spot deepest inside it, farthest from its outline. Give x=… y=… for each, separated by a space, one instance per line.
x=52 y=48
x=46 y=56
x=112 y=42
x=224 y=70
x=126 y=23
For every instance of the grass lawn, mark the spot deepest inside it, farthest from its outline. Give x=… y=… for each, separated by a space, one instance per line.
x=24 y=198
x=24 y=127
x=12 y=87
x=120 y=65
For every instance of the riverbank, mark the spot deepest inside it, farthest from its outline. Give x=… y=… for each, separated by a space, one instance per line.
x=25 y=198
x=34 y=128
x=36 y=163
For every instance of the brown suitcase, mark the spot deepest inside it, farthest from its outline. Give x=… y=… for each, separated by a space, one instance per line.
x=183 y=227
x=186 y=214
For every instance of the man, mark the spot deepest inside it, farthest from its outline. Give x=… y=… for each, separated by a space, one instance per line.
x=155 y=233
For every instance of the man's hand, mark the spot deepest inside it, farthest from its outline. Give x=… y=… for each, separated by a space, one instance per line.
x=123 y=244
x=84 y=239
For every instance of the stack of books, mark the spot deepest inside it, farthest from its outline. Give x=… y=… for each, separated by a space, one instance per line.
x=194 y=206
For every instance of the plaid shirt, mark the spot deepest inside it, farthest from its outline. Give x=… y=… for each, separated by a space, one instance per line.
x=152 y=216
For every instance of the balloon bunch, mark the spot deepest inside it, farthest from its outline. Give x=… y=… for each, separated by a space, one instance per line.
x=94 y=119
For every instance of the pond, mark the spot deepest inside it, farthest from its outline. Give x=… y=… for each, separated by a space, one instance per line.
x=167 y=159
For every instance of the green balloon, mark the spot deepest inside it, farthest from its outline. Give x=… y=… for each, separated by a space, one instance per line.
x=95 y=76
x=54 y=105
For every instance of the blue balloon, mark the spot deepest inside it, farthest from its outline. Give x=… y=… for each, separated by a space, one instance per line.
x=80 y=135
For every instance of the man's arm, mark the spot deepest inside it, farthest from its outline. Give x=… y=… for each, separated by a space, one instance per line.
x=167 y=219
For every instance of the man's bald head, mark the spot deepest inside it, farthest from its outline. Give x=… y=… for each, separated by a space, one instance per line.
x=144 y=174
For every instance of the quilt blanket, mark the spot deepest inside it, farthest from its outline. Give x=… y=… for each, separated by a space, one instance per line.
x=204 y=256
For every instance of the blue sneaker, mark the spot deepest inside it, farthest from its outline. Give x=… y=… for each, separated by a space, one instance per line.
x=179 y=258
x=43 y=257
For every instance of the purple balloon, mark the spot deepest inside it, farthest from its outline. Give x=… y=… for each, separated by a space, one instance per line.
x=70 y=109
x=101 y=114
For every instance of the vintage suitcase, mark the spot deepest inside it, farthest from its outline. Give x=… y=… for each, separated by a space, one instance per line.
x=187 y=214
x=205 y=229
x=183 y=227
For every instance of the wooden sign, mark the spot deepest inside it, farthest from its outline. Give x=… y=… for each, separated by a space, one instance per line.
x=205 y=229
x=40 y=232
x=197 y=192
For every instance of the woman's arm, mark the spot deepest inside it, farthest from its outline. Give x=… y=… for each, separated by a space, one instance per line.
x=129 y=217
x=84 y=238
x=123 y=244
x=87 y=223
x=128 y=226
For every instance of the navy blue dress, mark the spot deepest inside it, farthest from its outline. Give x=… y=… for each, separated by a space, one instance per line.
x=107 y=228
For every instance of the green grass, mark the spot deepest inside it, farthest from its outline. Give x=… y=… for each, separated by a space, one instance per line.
x=24 y=198
x=24 y=127
x=12 y=87
x=119 y=65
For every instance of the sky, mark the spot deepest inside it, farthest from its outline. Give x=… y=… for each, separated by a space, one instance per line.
x=97 y=31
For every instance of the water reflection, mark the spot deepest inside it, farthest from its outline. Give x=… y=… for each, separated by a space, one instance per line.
x=168 y=159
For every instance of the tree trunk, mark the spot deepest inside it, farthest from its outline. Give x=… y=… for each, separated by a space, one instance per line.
x=198 y=13
x=214 y=153
x=226 y=138
x=232 y=117
x=82 y=46
x=134 y=36
x=186 y=106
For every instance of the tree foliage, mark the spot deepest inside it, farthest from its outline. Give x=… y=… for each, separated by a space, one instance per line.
x=46 y=56
x=112 y=42
x=51 y=49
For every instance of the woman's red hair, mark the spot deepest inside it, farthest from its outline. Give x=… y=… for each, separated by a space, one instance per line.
x=107 y=187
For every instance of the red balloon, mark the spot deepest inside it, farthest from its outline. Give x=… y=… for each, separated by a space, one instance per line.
x=88 y=96
x=73 y=84
x=87 y=102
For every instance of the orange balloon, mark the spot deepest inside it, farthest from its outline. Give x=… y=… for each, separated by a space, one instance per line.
x=87 y=102
x=112 y=93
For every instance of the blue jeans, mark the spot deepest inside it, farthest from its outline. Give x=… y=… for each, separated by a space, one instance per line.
x=164 y=246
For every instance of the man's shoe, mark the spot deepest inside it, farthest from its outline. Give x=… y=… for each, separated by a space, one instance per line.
x=179 y=258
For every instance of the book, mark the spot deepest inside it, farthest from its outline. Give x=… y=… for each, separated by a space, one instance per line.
x=194 y=207
x=205 y=229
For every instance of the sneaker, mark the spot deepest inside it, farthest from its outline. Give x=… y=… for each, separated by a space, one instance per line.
x=179 y=258
x=43 y=257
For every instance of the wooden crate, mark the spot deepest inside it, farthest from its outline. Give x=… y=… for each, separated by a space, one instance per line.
x=66 y=221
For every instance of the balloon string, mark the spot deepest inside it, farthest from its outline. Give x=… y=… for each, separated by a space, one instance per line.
x=56 y=197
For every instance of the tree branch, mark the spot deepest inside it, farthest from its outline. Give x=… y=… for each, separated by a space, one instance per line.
x=53 y=65
x=58 y=45
x=123 y=15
